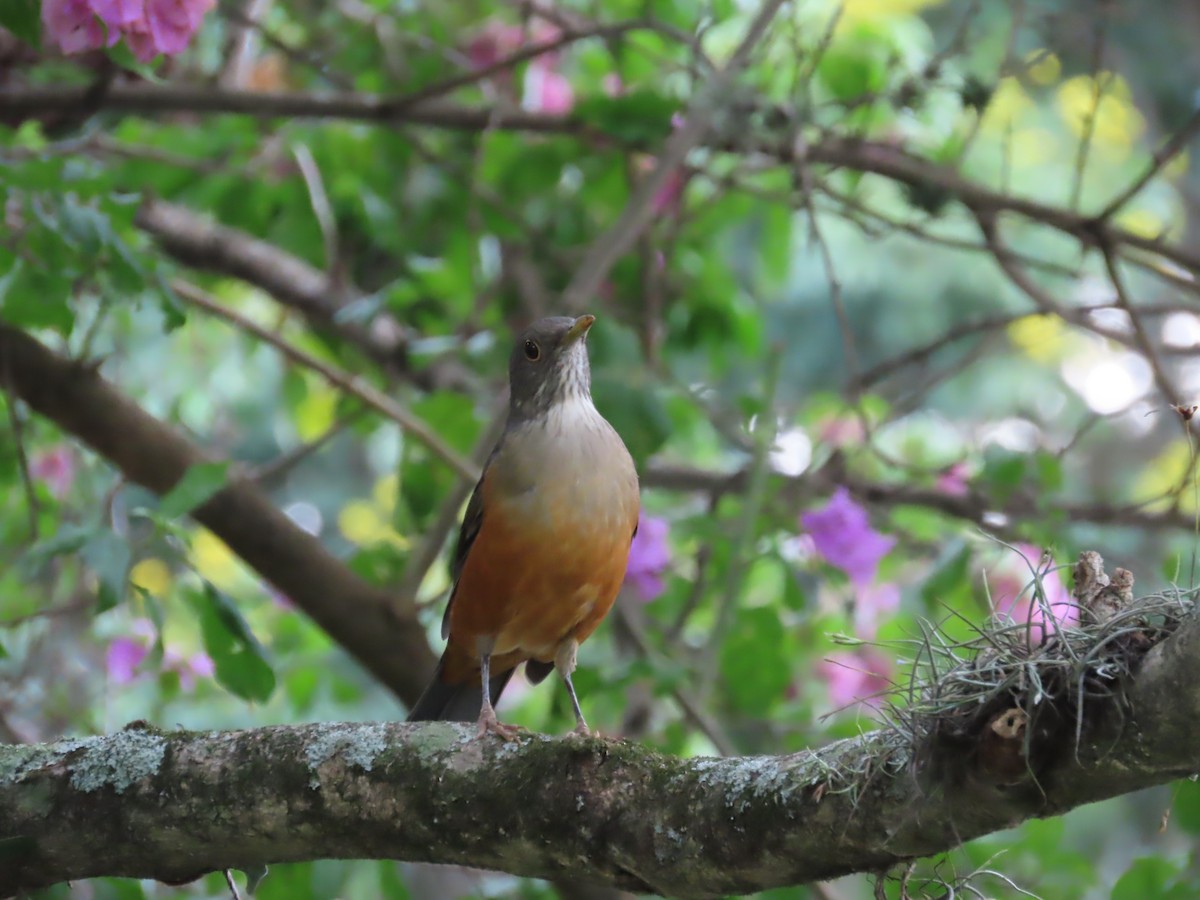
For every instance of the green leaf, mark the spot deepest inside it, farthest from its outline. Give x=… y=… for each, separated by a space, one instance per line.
x=755 y=662
x=197 y=485
x=238 y=657
x=1185 y=811
x=246 y=675
x=1149 y=876
x=109 y=556
x=640 y=117
x=23 y=18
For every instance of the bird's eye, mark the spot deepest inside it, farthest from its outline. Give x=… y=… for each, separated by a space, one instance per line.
x=532 y=351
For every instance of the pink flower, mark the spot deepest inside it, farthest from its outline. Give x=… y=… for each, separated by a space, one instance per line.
x=843 y=535
x=649 y=557
x=1011 y=587
x=73 y=26
x=55 y=468
x=547 y=90
x=118 y=13
x=858 y=676
x=873 y=603
x=166 y=27
x=150 y=27
x=122 y=659
x=953 y=481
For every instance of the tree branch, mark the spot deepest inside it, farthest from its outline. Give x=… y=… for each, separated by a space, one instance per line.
x=609 y=812
x=375 y=627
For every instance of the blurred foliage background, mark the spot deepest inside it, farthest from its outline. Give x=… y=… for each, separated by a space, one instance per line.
x=849 y=415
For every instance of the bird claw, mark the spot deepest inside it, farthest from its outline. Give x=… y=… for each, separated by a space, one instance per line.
x=502 y=730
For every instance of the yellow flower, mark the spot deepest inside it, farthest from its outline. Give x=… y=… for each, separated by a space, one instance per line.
x=1008 y=104
x=315 y=413
x=1043 y=67
x=1165 y=474
x=1106 y=103
x=363 y=523
x=215 y=561
x=152 y=575
x=386 y=492
x=1033 y=146
x=1142 y=222
x=1040 y=337
x=867 y=10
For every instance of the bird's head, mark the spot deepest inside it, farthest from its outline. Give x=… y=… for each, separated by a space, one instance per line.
x=549 y=364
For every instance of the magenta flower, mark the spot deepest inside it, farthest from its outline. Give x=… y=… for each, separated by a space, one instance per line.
x=649 y=557
x=1010 y=585
x=122 y=659
x=55 y=468
x=150 y=27
x=118 y=13
x=859 y=676
x=73 y=26
x=189 y=668
x=843 y=535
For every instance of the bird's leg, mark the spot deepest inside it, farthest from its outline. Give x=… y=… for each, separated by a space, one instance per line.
x=564 y=661
x=487 y=715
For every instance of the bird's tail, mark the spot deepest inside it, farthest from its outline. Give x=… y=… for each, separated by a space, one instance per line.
x=455 y=702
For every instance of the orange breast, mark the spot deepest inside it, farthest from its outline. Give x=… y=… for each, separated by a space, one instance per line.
x=537 y=575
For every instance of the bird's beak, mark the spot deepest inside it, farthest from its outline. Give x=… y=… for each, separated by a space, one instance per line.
x=579 y=329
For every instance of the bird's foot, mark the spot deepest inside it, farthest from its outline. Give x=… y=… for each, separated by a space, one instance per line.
x=489 y=722
x=581 y=730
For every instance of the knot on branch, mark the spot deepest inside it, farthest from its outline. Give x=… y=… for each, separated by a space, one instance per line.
x=996 y=711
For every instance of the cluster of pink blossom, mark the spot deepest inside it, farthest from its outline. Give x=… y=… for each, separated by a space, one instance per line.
x=54 y=468
x=126 y=654
x=149 y=27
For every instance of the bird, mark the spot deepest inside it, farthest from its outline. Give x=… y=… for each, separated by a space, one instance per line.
x=544 y=543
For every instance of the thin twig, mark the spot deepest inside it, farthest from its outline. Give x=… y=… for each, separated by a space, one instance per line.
x=351 y=384
x=326 y=220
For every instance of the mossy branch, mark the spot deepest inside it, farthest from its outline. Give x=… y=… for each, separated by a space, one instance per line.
x=619 y=813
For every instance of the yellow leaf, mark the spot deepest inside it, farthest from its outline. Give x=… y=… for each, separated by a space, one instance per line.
x=1040 y=337
x=214 y=560
x=152 y=575
x=315 y=413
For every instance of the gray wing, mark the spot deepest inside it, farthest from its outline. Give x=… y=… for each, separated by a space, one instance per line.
x=467 y=533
